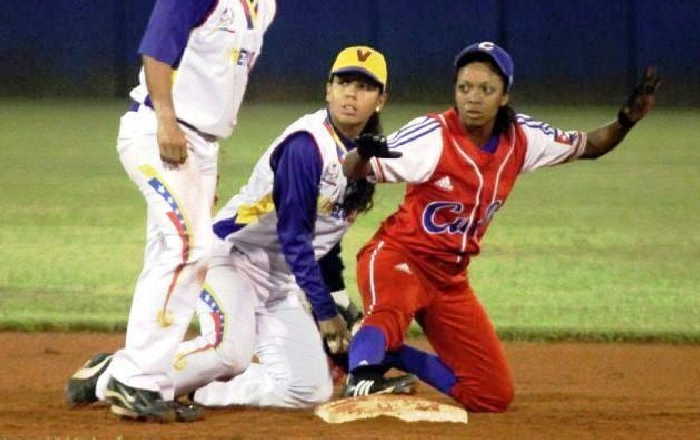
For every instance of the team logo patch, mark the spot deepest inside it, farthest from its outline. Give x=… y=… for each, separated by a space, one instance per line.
x=487 y=46
x=227 y=21
x=564 y=137
x=242 y=57
x=362 y=55
x=443 y=217
x=447 y=218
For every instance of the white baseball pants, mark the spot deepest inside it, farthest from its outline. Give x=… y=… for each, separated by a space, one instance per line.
x=178 y=245
x=241 y=317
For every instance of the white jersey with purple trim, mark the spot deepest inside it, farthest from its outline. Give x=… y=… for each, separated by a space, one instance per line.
x=421 y=142
x=253 y=209
x=211 y=79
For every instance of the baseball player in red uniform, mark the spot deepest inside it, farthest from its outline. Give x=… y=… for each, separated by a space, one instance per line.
x=460 y=166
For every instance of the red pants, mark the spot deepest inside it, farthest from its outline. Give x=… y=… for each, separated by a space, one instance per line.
x=395 y=288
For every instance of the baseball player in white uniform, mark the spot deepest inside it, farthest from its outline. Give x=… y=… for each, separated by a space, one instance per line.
x=264 y=294
x=293 y=210
x=197 y=55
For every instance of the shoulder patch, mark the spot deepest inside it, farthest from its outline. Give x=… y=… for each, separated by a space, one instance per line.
x=562 y=137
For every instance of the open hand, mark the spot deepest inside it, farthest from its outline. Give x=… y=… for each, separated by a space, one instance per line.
x=642 y=99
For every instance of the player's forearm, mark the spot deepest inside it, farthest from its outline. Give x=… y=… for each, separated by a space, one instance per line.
x=159 y=80
x=603 y=140
x=298 y=251
x=354 y=166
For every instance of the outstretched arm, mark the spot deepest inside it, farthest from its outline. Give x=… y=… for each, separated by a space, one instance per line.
x=604 y=139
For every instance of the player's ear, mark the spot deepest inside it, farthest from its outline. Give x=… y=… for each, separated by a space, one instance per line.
x=329 y=86
x=381 y=100
x=505 y=99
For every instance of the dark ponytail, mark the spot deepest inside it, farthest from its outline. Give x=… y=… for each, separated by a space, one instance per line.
x=504 y=117
x=373 y=125
x=359 y=194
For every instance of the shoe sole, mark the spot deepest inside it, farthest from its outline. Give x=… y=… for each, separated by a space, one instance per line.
x=403 y=389
x=410 y=386
x=167 y=417
x=189 y=416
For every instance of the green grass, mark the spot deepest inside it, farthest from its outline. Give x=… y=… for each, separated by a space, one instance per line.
x=601 y=250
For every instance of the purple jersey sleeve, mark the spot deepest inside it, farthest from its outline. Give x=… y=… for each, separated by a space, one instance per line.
x=297 y=165
x=169 y=28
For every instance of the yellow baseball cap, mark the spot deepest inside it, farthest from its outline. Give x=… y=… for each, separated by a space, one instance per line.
x=361 y=59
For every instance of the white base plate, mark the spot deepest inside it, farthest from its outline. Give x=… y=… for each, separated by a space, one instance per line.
x=406 y=408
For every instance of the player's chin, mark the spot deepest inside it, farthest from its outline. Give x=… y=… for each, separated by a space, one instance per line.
x=473 y=122
x=351 y=119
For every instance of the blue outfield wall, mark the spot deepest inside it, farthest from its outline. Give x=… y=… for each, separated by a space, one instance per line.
x=589 y=50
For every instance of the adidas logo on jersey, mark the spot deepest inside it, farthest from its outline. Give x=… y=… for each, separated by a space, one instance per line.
x=403 y=267
x=444 y=183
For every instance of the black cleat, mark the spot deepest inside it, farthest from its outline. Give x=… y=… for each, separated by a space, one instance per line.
x=80 y=389
x=144 y=405
x=358 y=386
x=138 y=404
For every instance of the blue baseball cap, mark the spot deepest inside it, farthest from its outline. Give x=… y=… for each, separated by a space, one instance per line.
x=499 y=56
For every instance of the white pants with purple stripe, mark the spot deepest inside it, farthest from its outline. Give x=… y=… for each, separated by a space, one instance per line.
x=178 y=245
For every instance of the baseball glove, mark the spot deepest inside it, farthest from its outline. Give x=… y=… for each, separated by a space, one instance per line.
x=374 y=145
x=641 y=100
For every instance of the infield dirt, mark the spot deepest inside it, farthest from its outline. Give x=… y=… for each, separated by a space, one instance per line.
x=563 y=391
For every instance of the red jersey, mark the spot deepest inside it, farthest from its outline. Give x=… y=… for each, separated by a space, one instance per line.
x=454 y=186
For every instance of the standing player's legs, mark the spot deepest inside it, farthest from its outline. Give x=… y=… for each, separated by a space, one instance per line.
x=178 y=246
x=226 y=311
x=292 y=369
x=460 y=331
